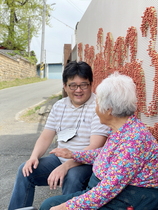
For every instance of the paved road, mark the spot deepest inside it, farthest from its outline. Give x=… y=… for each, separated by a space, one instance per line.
x=18 y=138
x=15 y=99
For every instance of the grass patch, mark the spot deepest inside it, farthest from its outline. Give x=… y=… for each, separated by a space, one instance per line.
x=33 y=110
x=19 y=82
x=59 y=97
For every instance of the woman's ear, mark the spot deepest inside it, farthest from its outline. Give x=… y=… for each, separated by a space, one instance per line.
x=109 y=111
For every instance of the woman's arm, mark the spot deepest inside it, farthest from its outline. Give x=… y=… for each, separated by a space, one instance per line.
x=85 y=156
x=124 y=164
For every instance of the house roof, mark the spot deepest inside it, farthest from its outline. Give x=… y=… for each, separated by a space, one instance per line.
x=8 y=53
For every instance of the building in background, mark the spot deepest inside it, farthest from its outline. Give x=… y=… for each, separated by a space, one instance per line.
x=51 y=70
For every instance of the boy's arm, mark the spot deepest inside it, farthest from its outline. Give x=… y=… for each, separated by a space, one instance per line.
x=59 y=173
x=42 y=144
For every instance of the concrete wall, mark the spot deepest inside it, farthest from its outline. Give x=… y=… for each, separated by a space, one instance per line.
x=15 y=67
x=121 y=35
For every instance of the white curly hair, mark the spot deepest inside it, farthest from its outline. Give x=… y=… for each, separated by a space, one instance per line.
x=117 y=92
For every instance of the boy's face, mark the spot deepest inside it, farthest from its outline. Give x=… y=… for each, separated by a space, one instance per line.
x=81 y=94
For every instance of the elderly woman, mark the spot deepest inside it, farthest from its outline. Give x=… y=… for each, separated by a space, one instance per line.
x=125 y=169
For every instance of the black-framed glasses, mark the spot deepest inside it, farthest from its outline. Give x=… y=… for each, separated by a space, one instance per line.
x=82 y=86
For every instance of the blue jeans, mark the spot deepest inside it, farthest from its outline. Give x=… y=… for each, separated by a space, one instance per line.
x=140 y=198
x=24 y=187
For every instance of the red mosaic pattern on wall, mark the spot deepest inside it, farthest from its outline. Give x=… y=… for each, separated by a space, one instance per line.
x=121 y=56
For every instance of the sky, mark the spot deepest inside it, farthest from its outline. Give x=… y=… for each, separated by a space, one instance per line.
x=64 y=18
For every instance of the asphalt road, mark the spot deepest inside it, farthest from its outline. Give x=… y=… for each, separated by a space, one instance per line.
x=17 y=138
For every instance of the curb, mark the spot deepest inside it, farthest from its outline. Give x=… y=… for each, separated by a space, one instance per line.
x=17 y=116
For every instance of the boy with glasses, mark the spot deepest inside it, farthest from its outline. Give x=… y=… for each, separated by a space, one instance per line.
x=74 y=121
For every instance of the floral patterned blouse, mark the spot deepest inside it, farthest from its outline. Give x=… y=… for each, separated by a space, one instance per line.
x=129 y=157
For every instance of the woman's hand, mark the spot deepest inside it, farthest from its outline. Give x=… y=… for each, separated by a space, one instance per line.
x=62 y=152
x=60 y=207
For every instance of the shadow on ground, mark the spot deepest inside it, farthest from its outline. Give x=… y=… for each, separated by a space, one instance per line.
x=16 y=149
x=11 y=156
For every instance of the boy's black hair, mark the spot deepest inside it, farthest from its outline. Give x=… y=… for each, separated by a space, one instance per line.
x=81 y=69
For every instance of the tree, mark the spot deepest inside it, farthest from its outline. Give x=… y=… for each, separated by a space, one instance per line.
x=20 y=19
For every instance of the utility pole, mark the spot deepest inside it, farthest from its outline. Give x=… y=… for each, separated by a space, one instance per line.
x=43 y=40
x=29 y=25
x=43 y=51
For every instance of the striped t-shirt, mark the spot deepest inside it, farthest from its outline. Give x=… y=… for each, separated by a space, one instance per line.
x=65 y=115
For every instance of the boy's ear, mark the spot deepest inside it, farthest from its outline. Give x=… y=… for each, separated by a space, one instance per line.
x=65 y=87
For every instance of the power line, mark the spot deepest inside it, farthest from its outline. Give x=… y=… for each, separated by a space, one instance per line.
x=63 y=23
x=70 y=2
